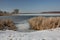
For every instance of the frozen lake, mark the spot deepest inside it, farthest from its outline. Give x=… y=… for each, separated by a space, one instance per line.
x=22 y=21
x=16 y=19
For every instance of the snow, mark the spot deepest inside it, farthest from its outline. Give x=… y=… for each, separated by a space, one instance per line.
x=23 y=33
x=53 y=34
x=23 y=27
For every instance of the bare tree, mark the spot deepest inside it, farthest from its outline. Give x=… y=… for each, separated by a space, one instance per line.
x=5 y=12
x=1 y=11
x=16 y=11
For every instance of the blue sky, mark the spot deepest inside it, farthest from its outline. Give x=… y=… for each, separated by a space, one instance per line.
x=31 y=6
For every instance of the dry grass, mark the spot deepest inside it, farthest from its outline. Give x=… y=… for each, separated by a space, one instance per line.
x=42 y=23
x=7 y=24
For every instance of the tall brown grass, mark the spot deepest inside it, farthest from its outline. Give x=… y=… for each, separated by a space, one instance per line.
x=43 y=23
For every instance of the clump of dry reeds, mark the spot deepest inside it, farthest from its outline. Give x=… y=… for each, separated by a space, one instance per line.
x=42 y=23
x=7 y=24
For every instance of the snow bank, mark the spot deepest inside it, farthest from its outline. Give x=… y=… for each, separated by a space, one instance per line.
x=53 y=34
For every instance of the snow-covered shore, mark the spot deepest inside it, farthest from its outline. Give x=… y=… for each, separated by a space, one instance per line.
x=23 y=33
x=53 y=34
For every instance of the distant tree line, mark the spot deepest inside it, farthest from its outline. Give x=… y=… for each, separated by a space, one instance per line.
x=5 y=13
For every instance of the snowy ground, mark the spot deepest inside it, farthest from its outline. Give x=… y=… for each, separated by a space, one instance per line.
x=23 y=33
x=53 y=34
